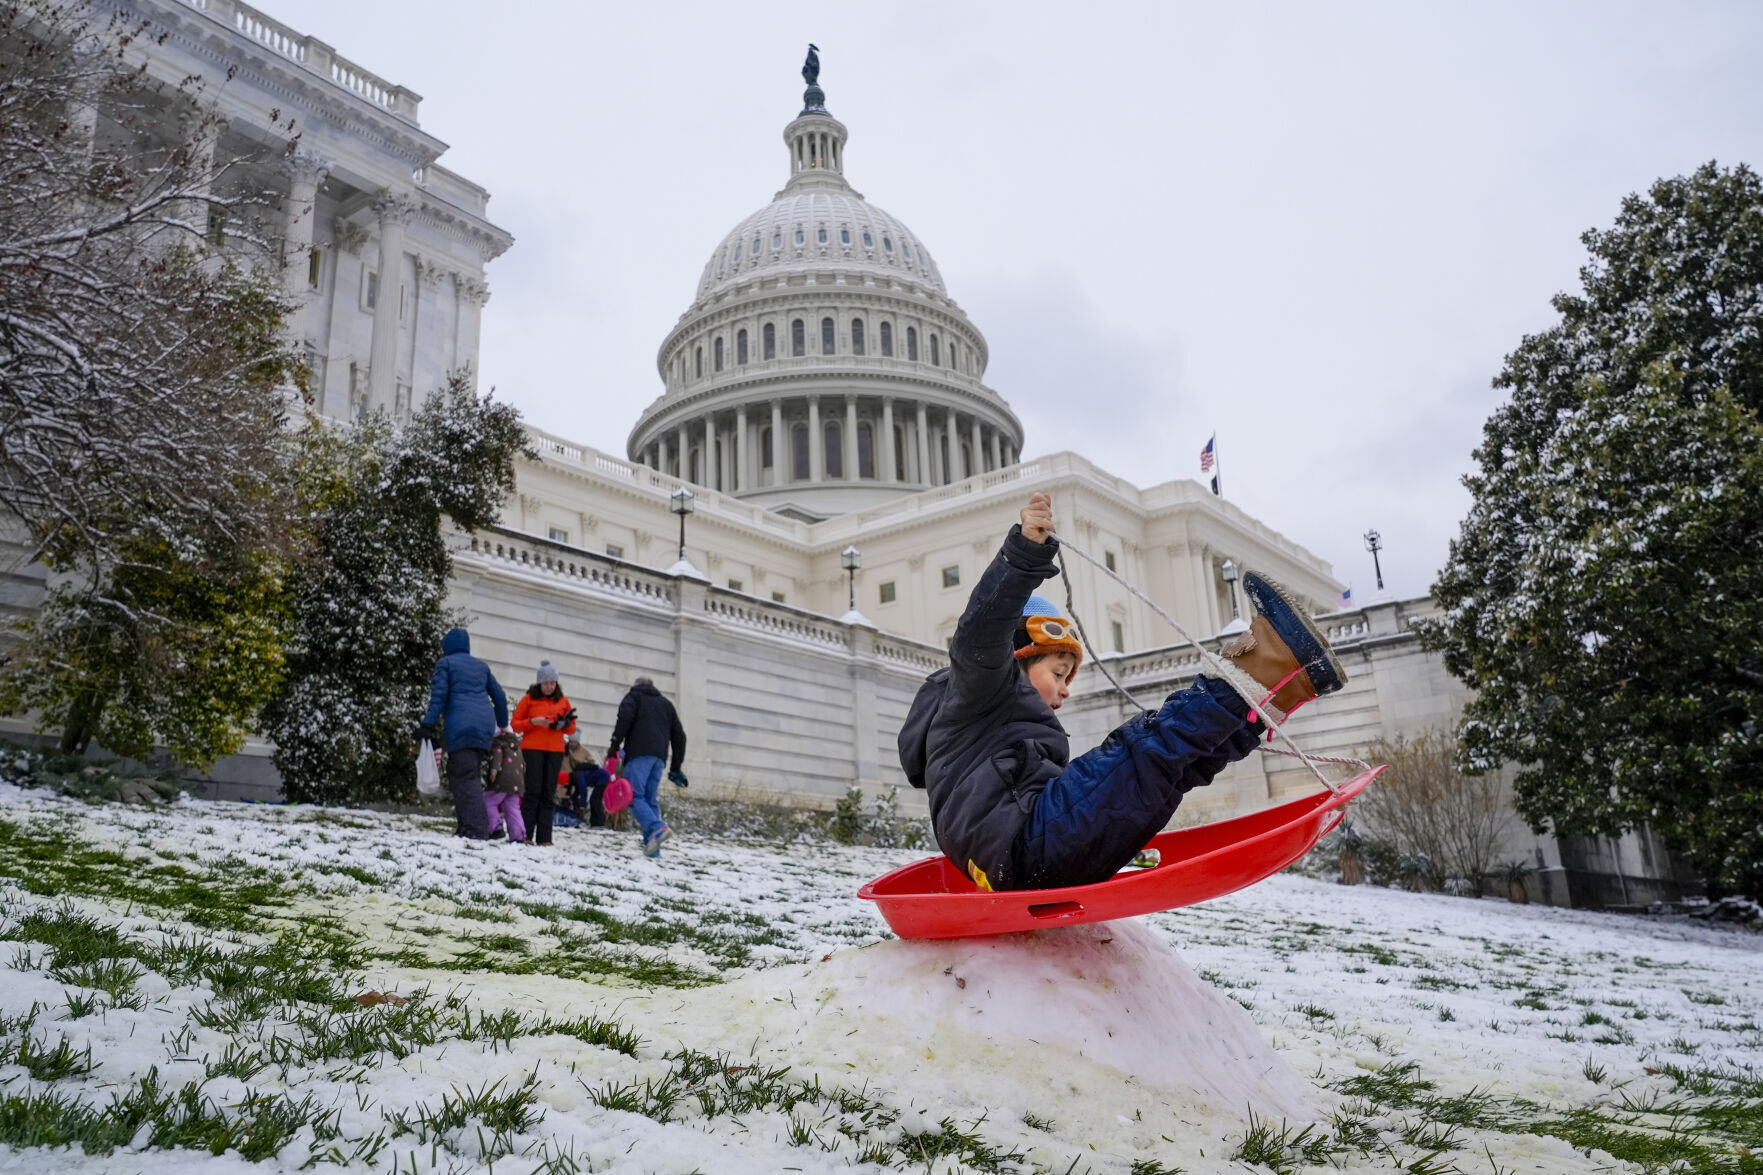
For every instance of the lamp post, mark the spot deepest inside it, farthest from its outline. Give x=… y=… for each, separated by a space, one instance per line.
x=851 y=559
x=1374 y=544
x=682 y=502
x=1229 y=571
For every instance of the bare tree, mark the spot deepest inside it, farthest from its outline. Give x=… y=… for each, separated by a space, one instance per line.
x=1432 y=811
x=139 y=371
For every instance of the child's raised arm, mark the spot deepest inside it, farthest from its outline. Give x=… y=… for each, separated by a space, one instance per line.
x=982 y=658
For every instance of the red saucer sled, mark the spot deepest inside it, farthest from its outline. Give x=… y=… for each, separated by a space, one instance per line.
x=933 y=899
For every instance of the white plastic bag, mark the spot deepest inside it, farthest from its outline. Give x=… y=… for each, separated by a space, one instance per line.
x=428 y=769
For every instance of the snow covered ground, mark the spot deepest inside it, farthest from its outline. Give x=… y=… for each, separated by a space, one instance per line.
x=198 y=988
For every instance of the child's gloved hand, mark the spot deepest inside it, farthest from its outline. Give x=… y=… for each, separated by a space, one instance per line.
x=677 y=778
x=1037 y=518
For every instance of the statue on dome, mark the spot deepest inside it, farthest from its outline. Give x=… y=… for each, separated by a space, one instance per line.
x=811 y=67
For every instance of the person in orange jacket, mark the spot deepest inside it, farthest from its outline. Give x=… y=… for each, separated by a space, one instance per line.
x=542 y=719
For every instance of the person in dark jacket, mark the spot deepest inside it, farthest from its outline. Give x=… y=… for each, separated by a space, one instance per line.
x=464 y=697
x=647 y=726
x=1008 y=806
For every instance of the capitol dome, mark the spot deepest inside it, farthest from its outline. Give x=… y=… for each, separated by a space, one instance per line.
x=822 y=367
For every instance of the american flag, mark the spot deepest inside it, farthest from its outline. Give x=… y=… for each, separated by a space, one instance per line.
x=1346 y=600
x=1206 y=455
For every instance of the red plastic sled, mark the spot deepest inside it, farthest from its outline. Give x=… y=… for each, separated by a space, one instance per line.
x=933 y=899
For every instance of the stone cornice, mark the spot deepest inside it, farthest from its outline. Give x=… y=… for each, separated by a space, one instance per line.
x=755 y=303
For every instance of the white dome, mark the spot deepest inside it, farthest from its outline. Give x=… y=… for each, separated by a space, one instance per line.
x=819 y=229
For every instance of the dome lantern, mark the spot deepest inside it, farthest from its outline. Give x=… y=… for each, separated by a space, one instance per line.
x=816 y=139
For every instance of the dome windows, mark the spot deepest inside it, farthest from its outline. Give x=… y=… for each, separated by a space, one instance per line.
x=800 y=237
x=798 y=340
x=828 y=337
x=936 y=354
x=868 y=241
x=823 y=236
x=718 y=353
x=777 y=241
x=906 y=250
x=737 y=254
x=770 y=340
x=833 y=456
x=799 y=452
x=887 y=340
x=755 y=248
x=912 y=343
x=888 y=244
x=741 y=348
x=698 y=363
x=844 y=236
x=857 y=336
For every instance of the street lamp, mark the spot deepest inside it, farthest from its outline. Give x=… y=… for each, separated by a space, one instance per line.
x=1374 y=544
x=1229 y=571
x=682 y=502
x=851 y=559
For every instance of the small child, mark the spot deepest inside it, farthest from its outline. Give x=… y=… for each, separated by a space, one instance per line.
x=1008 y=807
x=500 y=805
x=587 y=783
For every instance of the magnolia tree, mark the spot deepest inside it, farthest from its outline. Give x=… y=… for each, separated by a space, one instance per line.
x=370 y=594
x=1605 y=595
x=143 y=380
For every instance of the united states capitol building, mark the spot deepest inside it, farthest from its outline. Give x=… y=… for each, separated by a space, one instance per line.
x=823 y=431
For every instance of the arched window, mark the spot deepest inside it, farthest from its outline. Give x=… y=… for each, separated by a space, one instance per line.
x=844 y=236
x=828 y=340
x=765 y=448
x=699 y=363
x=865 y=449
x=737 y=252
x=888 y=244
x=834 y=455
x=887 y=340
x=856 y=336
x=912 y=343
x=799 y=452
x=799 y=237
x=770 y=340
x=798 y=345
x=717 y=364
x=741 y=346
x=900 y=470
x=822 y=236
x=952 y=345
x=777 y=240
x=868 y=240
x=936 y=354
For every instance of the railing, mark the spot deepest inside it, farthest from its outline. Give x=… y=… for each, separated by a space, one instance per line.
x=775 y=621
x=276 y=35
x=922 y=658
x=584 y=568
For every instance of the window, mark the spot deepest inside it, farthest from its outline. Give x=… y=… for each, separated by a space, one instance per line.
x=217 y=226
x=886 y=592
x=912 y=343
x=559 y=536
x=314 y=266
x=699 y=362
x=865 y=449
x=943 y=452
x=734 y=585
x=844 y=236
x=834 y=453
x=887 y=339
x=777 y=597
x=755 y=248
x=868 y=241
x=799 y=453
x=777 y=241
x=952 y=577
x=765 y=448
x=616 y=551
x=900 y=452
x=1119 y=637
x=952 y=345
x=718 y=353
x=906 y=250
x=936 y=354
x=799 y=237
x=370 y=293
x=770 y=340
x=823 y=236
x=828 y=340
x=741 y=347
x=1108 y=560
x=737 y=252
x=966 y=459
x=888 y=244
x=696 y=476
x=797 y=336
x=856 y=336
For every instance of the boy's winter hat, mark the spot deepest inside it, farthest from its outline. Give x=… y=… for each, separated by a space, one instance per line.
x=1045 y=630
x=547 y=672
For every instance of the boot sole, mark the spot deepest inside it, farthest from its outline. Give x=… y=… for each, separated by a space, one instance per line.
x=1271 y=599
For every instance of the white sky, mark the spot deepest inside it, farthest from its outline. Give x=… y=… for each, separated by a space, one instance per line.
x=1315 y=228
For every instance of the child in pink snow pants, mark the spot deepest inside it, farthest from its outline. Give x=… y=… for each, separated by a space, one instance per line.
x=501 y=804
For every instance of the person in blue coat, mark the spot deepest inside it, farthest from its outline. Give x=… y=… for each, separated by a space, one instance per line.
x=1009 y=806
x=465 y=698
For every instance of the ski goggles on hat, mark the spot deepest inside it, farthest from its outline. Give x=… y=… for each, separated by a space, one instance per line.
x=1050 y=634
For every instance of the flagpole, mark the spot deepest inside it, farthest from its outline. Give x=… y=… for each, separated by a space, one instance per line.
x=1217 y=465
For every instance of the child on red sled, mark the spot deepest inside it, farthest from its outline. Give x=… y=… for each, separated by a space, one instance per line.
x=1008 y=805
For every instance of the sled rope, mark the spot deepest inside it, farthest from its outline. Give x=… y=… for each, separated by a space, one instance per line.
x=1206 y=656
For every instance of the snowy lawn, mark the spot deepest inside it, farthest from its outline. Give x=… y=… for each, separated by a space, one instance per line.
x=214 y=988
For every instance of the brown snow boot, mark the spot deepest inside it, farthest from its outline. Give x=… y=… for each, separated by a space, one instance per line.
x=1262 y=655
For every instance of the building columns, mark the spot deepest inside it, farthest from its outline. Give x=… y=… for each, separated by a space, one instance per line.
x=924 y=474
x=683 y=443
x=979 y=454
x=777 y=442
x=997 y=452
x=305 y=172
x=816 y=442
x=850 y=438
x=886 y=441
x=743 y=469
x=395 y=211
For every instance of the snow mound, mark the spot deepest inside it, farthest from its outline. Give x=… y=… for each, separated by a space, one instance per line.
x=1057 y=1017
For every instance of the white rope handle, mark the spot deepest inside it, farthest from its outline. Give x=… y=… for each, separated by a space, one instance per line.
x=1278 y=727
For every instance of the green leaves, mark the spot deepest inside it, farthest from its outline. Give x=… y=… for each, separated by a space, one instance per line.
x=1604 y=596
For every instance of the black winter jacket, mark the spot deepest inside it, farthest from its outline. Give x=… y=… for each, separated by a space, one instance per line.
x=978 y=735
x=647 y=725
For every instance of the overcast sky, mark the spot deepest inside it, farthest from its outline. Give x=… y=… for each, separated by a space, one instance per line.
x=1314 y=228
